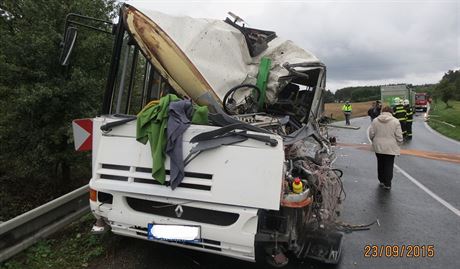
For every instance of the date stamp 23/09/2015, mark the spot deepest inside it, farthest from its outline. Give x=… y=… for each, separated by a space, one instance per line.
x=401 y=251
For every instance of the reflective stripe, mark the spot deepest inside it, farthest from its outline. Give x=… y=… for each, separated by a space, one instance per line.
x=346 y=108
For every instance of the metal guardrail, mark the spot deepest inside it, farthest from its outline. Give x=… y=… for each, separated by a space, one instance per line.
x=24 y=230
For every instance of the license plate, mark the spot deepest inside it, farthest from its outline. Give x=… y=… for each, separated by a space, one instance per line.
x=173 y=232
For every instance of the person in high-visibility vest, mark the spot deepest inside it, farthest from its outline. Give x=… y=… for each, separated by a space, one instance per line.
x=409 y=118
x=346 y=109
x=399 y=112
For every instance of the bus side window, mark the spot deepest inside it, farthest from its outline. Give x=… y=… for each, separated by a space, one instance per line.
x=137 y=82
x=120 y=99
x=155 y=86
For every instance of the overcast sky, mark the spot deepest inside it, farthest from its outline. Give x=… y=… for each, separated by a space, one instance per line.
x=361 y=42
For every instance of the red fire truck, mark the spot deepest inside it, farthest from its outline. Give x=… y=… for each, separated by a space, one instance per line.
x=421 y=101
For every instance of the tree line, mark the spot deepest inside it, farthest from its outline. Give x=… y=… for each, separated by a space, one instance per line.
x=447 y=89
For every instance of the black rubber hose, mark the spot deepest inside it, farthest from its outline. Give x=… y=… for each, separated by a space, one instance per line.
x=340 y=174
x=236 y=88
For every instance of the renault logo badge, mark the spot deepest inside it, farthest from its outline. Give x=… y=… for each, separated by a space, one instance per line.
x=179 y=211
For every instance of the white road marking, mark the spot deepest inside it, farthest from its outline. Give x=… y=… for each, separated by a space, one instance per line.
x=421 y=186
x=436 y=197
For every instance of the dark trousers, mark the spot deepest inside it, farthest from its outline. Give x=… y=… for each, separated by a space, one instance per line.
x=347 y=119
x=409 y=129
x=385 y=168
x=403 y=128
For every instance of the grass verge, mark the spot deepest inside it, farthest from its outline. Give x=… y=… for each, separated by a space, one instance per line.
x=439 y=114
x=73 y=247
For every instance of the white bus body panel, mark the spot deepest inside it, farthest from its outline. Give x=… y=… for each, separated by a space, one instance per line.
x=236 y=240
x=245 y=177
x=247 y=174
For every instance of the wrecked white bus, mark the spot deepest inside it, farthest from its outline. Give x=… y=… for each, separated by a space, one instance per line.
x=256 y=181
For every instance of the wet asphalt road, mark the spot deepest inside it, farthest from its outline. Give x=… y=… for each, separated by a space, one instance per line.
x=408 y=215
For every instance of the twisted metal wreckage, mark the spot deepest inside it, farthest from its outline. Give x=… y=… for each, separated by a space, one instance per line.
x=257 y=86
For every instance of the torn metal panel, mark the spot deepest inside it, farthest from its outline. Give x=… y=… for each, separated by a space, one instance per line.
x=165 y=55
x=220 y=53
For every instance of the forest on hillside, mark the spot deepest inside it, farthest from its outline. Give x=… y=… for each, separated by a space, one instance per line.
x=447 y=89
x=39 y=98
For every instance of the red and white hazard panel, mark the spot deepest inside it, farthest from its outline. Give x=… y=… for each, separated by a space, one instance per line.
x=83 y=134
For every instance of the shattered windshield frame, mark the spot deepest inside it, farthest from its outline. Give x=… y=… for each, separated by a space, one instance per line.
x=134 y=81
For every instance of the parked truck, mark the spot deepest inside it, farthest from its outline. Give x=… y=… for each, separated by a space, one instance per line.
x=237 y=197
x=390 y=92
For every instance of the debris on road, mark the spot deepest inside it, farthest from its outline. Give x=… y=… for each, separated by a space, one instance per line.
x=348 y=228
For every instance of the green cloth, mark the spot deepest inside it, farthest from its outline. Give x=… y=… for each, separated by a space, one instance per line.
x=151 y=126
x=200 y=115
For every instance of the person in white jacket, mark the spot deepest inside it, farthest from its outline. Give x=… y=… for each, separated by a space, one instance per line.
x=386 y=136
